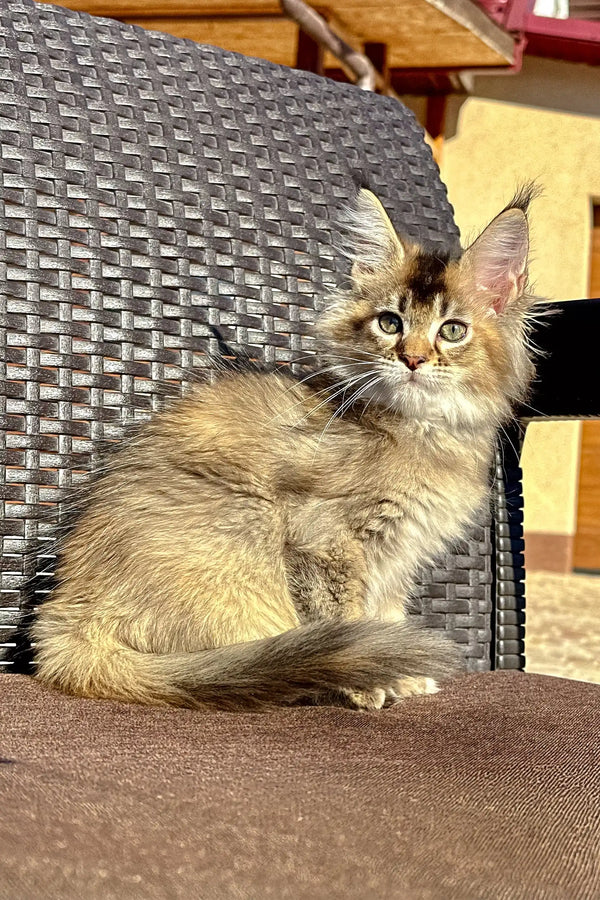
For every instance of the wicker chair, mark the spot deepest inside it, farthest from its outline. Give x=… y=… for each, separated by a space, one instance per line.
x=160 y=199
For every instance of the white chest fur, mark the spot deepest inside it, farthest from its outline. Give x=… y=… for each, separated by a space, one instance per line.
x=437 y=498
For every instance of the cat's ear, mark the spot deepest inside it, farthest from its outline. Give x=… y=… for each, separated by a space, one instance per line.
x=371 y=240
x=495 y=265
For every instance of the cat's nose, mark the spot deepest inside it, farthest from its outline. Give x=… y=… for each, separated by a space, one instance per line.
x=413 y=362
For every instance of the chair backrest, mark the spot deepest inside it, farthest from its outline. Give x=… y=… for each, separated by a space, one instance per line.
x=155 y=194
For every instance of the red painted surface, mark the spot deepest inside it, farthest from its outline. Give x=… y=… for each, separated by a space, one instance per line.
x=576 y=40
x=509 y=13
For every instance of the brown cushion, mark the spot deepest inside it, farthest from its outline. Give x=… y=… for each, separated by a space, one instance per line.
x=489 y=789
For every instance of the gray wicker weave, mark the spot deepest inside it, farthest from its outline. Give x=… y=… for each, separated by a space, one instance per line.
x=152 y=191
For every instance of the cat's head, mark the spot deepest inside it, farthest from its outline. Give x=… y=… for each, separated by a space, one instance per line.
x=434 y=338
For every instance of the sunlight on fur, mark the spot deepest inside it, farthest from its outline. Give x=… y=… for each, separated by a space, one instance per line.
x=255 y=544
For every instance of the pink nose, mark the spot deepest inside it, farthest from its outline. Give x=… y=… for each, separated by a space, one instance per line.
x=413 y=362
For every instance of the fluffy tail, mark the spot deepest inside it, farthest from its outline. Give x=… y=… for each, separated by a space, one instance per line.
x=302 y=664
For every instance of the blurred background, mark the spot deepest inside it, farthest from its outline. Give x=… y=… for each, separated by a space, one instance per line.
x=508 y=91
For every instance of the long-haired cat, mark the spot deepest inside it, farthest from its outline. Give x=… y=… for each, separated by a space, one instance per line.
x=255 y=543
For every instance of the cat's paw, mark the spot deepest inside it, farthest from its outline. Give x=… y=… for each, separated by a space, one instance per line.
x=377 y=698
x=411 y=687
x=366 y=700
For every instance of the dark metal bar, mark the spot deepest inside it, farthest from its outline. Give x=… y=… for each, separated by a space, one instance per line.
x=309 y=55
x=317 y=28
x=566 y=383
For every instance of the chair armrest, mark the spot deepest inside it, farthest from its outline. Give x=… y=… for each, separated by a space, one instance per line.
x=566 y=383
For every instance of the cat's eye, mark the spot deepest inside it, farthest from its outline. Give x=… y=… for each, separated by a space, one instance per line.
x=453 y=331
x=390 y=323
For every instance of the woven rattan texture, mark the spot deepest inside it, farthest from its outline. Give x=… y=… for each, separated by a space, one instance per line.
x=152 y=190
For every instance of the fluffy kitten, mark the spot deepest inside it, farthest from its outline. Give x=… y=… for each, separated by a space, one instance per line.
x=255 y=543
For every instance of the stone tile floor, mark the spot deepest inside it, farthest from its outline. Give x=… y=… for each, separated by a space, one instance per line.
x=563 y=625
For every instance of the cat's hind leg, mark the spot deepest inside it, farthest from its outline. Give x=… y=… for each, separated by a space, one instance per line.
x=328 y=582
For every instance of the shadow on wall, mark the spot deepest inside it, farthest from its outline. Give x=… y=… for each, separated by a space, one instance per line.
x=541 y=84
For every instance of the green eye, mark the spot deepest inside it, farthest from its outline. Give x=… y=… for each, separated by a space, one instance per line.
x=453 y=331
x=390 y=323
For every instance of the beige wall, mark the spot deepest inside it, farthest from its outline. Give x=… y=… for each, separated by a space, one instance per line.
x=497 y=144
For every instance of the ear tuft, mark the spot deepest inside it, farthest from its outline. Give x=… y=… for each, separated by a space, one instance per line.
x=371 y=240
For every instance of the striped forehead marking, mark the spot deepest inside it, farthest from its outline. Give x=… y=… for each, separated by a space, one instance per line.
x=427 y=277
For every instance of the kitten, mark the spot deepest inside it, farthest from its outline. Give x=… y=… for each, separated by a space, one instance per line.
x=255 y=543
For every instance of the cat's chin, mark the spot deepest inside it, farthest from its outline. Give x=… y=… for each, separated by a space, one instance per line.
x=422 y=396
x=430 y=402
x=411 y=390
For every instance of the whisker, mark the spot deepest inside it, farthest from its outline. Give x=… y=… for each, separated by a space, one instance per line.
x=347 y=404
x=338 y=413
x=533 y=409
x=316 y=393
x=359 y=351
x=347 y=385
x=371 y=384
x=303 y=400
x=507 y=436
x=358 y=362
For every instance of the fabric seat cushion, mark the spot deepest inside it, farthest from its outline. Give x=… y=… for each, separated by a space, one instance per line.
x=490 y=788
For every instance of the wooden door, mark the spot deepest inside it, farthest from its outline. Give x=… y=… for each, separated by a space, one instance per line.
x=586 y=553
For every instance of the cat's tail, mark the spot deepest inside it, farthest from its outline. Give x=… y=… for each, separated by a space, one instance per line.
x=307 y=663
